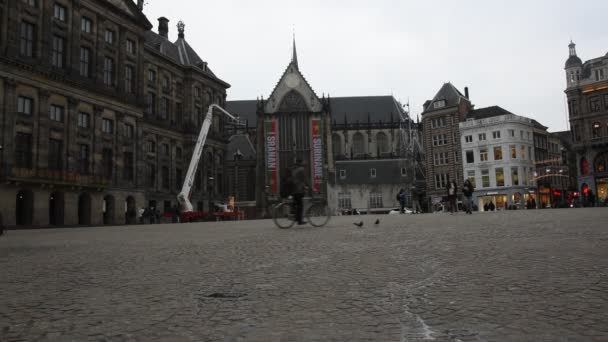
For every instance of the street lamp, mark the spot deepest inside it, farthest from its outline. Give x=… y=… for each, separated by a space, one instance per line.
x=210 y=189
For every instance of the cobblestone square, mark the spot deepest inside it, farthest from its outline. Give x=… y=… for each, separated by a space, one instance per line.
x=506 y=276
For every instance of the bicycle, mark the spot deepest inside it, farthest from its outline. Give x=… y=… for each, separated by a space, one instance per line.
x=316 y=212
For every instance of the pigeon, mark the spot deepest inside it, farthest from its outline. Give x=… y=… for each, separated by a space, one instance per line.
x=360 y=224
x=377 y=222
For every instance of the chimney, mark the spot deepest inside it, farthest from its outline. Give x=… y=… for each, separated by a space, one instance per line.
x=140 y=4
x=163 y=27
x=466 y=92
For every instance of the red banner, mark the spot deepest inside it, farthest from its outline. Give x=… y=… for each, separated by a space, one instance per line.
x=272 y=156
x=317 y=155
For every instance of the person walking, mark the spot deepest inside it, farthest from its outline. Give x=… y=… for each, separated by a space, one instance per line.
x=591 y=199
x=300 y=185
x=452 y=190
x=468 y=195
x=416 y=197
x=141 y=212
x=401 y=199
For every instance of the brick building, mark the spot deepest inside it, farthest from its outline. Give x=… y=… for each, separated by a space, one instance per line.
x=99 y=114
x=440 y=120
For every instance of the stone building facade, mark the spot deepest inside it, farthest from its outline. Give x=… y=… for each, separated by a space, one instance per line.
x=587 y=92
x=440 y=121
x=83 y=140
x=498 y=157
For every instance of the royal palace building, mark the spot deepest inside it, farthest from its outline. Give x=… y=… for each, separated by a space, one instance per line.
x=100 y=114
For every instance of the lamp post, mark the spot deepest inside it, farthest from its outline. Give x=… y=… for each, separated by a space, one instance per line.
x=210 y=190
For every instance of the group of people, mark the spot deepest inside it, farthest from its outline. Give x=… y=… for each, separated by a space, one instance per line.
x=467 y=190
x=149 y=215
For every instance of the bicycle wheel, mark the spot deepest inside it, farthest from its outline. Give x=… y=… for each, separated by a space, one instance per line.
x=318 y=214
x=282 y=217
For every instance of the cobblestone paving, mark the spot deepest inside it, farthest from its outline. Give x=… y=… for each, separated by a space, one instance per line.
x=511 y=276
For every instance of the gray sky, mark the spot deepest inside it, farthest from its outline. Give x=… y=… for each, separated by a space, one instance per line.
x=508 y=52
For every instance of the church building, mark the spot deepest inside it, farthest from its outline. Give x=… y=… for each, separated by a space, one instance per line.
x=336 y=138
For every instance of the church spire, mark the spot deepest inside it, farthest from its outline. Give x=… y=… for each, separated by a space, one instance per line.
x=294 y=57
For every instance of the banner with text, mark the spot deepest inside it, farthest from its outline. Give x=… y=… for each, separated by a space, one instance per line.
x=272 y=156
x=317 y=155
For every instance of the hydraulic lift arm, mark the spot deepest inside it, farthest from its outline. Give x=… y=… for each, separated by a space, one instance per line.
x=183 y=198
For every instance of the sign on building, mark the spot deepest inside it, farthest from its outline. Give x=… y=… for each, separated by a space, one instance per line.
x=272 y=155
x=317 y=155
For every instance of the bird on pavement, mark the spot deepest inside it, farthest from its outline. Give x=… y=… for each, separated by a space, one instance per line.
x=360 y=224
x=377 y=222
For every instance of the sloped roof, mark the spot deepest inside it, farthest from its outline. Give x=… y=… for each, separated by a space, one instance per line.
x=246 y=110
x=189 y=57
x=359 y=108
x=449 y=93
x=180 y=53
x=355 y=108
x=488 y=112
x=162 y=45
x=128 y=7
x=241 y=144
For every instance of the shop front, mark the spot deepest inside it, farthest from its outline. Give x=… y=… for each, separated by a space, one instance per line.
x=602 y=191
x=544 y=197
x=492 y=200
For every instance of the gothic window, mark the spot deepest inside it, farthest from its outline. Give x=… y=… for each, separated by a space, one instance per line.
x=382 y=141
x=601 y=162
x=85 y=62
x=594 y=104
x=293 y=102
x=358 y=144
x=336 y=143
x=27 y=42
x=597 y=130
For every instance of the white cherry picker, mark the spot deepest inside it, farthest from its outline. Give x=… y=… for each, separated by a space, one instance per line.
x=183 y=198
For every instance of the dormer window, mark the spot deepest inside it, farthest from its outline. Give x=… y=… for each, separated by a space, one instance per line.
x=439 y=104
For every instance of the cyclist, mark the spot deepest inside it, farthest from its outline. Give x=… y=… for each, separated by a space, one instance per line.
x=300 y=185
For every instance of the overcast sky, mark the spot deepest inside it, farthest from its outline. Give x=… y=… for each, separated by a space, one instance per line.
x=509 y=53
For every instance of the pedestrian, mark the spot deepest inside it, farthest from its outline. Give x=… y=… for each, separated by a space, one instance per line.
x=591 y=198
x=151 y=214
x=401 y=199
x=141 y=213
x=300 y=186
x=416 y=197
x=533 y=203
x=492 y=206
x=486 y=207
x=157 y=216
x=452 y=190
x=468 y=195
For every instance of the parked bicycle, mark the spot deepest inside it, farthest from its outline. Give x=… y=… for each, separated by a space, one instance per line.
x=316 y=212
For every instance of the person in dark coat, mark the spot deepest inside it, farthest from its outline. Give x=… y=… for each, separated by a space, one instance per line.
x=452 y=190
x=468 y=195
x=401 y=198
x=300 y=186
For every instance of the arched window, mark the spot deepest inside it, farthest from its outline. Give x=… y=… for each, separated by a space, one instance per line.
x=601 y=162
x=596 y=129
x=382 y=142
x=358 y=144
x=584 y=167
x=336 y=143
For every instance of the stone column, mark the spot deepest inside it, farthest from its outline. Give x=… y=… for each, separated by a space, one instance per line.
x=7 y=118
x=71 y=209
x=41 y=207
x=40 y=132
x=70 y=128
